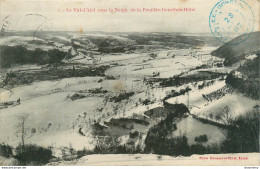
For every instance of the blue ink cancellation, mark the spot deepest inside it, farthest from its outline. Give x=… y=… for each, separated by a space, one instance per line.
x=229 y=17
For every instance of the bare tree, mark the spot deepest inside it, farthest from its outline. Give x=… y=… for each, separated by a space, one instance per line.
x=4 y=25
x=22 y=130
x=226 y=116
x=99 y=136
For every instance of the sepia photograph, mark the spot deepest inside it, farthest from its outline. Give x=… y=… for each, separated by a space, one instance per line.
x=129 y=83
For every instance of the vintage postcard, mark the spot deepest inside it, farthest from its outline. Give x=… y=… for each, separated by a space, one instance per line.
x=129 y=82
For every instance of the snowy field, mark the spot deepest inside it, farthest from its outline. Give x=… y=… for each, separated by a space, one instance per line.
x=55 y=119
x=54 y=115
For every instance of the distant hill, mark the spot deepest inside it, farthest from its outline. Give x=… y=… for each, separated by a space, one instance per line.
x=27 y=47
x=233 y=53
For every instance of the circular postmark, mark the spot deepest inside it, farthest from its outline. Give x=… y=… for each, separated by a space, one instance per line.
x=229 y=17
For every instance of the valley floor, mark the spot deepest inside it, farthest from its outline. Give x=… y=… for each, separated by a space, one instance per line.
x=61 y=112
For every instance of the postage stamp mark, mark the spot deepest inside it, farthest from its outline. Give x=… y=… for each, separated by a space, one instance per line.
x=231 y=17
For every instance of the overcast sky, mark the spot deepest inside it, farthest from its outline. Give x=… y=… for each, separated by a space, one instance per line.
x=197 y=21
